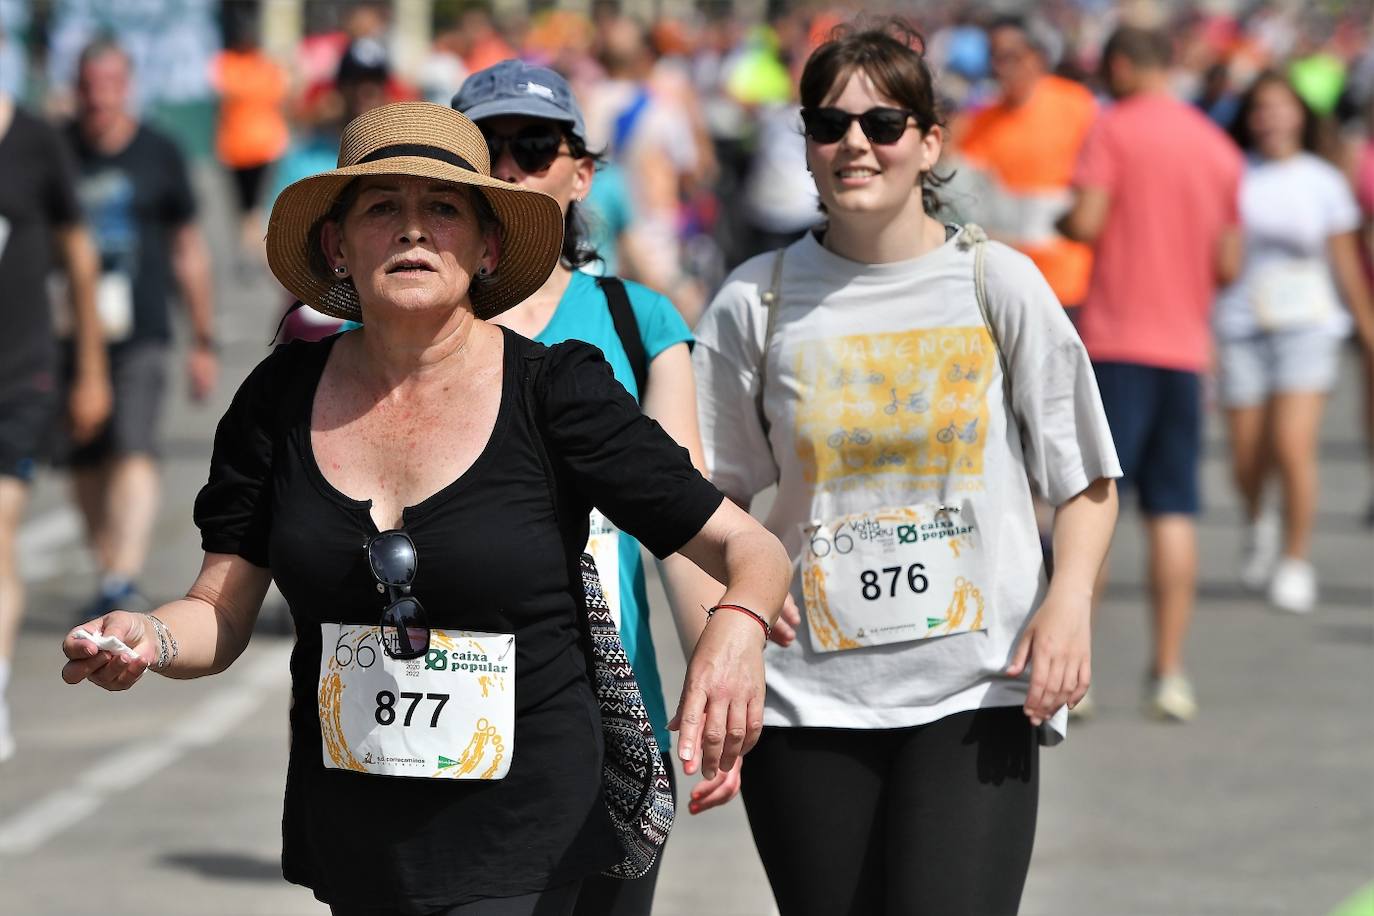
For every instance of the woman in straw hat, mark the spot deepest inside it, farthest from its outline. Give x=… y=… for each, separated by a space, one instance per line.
x=400 y=470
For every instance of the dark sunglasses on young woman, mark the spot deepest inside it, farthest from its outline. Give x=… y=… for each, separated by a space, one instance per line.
x=405 y=626
x=880 y=125
x=533 y=147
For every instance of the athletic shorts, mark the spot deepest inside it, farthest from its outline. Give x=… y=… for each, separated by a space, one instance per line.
x=1156 y=420
x=27 y=413
x=1251 y=370
x=138 y=376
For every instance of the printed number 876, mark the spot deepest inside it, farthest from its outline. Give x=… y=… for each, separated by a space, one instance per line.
x=915 y=580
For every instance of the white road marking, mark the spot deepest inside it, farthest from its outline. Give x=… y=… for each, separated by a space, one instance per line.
x=41 y=540
x=205 y=725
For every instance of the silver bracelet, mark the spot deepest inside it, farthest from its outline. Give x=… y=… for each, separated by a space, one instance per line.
x=171 y=639
x=164 y=653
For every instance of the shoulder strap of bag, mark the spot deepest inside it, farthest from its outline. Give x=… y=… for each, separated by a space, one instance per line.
x=771 y=299
x=627 y=329
x=974 y=235
x=634 y=780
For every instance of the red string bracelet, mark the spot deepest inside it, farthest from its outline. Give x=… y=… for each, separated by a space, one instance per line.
x=767 y=630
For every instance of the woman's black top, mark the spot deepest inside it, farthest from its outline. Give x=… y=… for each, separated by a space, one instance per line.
x=494 y=555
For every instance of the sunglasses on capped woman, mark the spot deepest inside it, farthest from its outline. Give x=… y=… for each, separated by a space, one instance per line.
x=880 y=125
x=533 y=147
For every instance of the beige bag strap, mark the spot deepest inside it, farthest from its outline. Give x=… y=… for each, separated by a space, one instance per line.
x=771 y=299
x=974 y=235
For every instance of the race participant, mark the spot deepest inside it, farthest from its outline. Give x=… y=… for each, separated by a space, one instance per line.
x=137 y=195
x=40 y=222
x=1155 y=194
x=419 y=489
x=536 y=138
x=1028 y=142
x=898 y=768
x=1280 y=326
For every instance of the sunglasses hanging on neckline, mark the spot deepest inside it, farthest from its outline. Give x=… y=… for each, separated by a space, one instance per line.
x=392 y=558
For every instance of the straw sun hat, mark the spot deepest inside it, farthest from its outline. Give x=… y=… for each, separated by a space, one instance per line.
x=425 y=141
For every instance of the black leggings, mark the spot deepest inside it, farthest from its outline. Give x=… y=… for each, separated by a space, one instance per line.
x=934 y=819
x=556 y=901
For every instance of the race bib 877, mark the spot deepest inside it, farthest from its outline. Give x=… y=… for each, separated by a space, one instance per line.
x=447 y=715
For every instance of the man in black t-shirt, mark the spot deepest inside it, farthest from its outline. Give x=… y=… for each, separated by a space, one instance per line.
x=137 y=195
x=40 y=222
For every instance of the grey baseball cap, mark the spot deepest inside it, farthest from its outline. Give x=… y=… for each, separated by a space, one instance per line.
x=514 y=87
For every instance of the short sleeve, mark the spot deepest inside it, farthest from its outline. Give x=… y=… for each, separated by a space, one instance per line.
x=178 y=205
x=1065 y=438
x=726 y=363
x=660 y=324
x=1096 y=166
x=61 y=176
x=234 y=509
x=1342 y=210
x=622 y=461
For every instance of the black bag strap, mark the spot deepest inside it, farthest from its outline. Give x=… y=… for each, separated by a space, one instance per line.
x=627 y=329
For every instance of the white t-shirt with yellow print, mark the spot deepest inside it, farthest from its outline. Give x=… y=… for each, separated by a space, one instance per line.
x=884 y=391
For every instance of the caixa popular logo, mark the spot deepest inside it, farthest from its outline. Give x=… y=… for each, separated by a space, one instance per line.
x=908 y=534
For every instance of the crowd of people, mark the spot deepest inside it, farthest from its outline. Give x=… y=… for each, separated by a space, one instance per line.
x=945 y=291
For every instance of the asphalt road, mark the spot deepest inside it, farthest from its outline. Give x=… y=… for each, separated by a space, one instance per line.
x=167 y=799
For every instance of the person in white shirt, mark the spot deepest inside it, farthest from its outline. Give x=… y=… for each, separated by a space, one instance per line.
x=898 y=767
x=1279 y=328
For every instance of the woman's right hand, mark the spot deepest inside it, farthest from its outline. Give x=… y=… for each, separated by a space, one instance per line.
x=111 y=670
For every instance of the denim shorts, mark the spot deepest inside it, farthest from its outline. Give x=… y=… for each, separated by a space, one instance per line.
x=1251 y=370
x=1156 y=420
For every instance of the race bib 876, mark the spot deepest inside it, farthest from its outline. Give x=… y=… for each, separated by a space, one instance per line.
x=893 y=575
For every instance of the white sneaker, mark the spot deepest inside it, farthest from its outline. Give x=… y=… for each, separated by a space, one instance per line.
x=1261 y=552
x=7 y=746
x=1170 y=698
x=1294 y=586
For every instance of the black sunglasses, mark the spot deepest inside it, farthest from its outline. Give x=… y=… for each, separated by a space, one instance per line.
x=880 y=125
x=533 y=147
x=405 y=626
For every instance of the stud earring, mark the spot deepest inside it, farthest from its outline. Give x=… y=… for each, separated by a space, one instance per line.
x=341 y=270
x=483 y=272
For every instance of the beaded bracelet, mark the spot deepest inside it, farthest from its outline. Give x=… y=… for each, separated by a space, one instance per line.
x=767 y=629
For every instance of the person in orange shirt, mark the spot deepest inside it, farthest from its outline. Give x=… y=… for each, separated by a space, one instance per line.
x=1026 y=144
x=251 y=134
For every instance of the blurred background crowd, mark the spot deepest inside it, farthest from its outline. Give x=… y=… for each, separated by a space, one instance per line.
x=693 y=104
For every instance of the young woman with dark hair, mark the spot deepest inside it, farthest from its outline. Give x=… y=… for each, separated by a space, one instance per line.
x=898 y=768
x=1279 y=329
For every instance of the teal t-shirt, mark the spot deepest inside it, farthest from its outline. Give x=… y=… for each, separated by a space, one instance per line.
x=583 y=314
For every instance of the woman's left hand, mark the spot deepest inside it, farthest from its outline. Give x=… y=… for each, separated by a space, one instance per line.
x=1058 y=644
x=712 y=793
x=720 y=714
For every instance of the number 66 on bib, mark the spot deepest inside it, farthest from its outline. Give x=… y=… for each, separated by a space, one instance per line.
x=893 y=575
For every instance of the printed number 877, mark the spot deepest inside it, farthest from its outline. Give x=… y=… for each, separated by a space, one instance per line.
x=915 y=580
